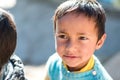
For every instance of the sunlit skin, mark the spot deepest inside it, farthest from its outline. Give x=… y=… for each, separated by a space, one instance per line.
x=76 y=40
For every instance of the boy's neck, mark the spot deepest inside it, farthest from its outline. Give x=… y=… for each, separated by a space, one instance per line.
x=87 y=66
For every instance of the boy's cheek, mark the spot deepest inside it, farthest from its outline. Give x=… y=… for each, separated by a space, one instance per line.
x=60 y=43
x=59 y=50
x=60 y=47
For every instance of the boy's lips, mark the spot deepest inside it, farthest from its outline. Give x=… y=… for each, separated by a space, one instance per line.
x=70 y=56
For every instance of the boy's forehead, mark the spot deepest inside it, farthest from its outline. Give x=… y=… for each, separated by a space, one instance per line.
x=75 y=16
x=73 y=19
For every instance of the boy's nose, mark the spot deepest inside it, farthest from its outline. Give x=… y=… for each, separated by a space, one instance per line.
x=71 y=46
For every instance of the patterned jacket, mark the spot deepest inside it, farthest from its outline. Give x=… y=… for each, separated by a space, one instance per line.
x=13 y=70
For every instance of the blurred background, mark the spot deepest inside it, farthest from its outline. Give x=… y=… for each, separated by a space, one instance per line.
x=36 y=38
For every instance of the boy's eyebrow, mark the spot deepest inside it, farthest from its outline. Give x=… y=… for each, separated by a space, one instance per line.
x=83 y=34
x=77 y=33
x=61 y=33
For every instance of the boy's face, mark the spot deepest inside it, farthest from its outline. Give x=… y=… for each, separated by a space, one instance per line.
x=76 y=39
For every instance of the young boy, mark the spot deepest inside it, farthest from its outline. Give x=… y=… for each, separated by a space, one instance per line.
x=79 y=27
x=11 y=67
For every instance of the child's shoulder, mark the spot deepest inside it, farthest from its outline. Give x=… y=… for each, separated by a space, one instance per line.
x=53 y=61
x=100 y=70
x=14 y=69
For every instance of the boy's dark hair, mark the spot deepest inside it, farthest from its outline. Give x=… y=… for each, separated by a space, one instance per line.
x=8 y=37
x=91 y=8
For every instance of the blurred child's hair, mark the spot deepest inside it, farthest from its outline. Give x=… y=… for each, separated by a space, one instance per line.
x=91 y=9
x=8 y=36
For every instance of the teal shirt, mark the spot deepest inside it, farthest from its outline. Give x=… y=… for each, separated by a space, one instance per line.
x=57 y=71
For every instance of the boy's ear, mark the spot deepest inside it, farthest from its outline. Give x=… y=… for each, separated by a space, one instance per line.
x=101 y=41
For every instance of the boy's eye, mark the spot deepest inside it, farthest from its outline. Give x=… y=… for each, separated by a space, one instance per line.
x=83 y=38
x=62 y=36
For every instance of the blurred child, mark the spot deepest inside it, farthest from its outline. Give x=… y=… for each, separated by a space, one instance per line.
x=79 y=27
x=11 y=67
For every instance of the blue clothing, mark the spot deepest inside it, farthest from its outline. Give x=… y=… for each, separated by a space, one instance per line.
x=57 y=71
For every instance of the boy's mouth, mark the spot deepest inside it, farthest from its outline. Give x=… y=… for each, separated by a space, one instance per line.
x=70 y=56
